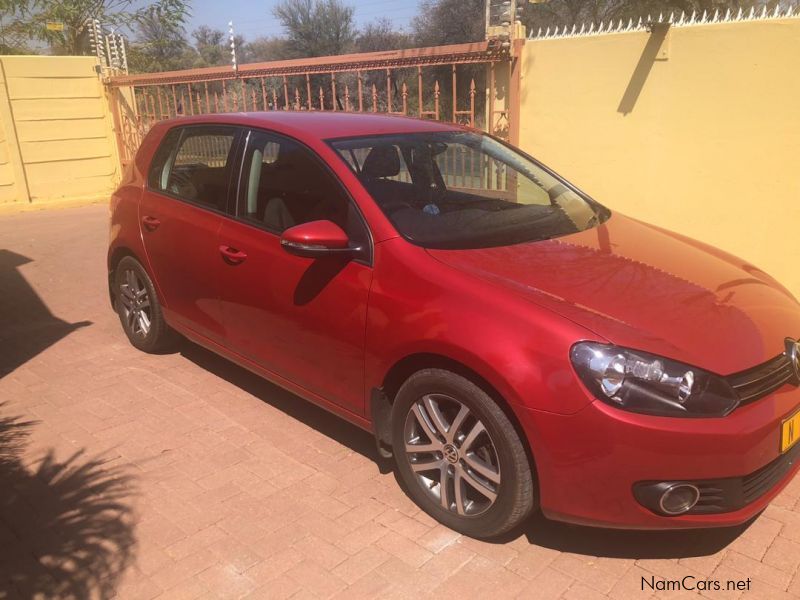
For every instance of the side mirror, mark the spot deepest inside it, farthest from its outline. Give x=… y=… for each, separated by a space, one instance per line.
x=317 y=239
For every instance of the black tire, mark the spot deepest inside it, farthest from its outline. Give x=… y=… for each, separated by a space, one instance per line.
x=158 y=337
x=515 y=490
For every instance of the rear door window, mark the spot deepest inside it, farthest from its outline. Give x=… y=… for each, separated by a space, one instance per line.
x=196 y=166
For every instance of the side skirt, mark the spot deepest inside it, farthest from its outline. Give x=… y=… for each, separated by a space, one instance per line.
x=339 y=411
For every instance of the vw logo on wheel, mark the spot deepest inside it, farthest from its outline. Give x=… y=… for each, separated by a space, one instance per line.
x=450 y=453
x=793 y=354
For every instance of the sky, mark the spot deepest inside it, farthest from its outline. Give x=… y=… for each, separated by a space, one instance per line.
x=254 y=19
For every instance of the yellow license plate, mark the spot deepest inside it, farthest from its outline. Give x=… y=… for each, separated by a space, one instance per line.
x=790 y=431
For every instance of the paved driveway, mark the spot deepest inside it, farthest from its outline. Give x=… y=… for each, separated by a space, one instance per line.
x=183 y=476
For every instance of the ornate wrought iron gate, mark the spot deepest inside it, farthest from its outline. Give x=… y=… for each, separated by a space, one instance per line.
x=460 y=83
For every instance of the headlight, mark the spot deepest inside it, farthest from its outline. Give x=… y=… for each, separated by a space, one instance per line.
x=645 y=383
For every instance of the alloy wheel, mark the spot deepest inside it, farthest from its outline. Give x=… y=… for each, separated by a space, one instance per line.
x=452 y=455
x=135 y=304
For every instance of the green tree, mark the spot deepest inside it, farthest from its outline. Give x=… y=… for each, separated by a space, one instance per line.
x=30 y=18
x=213 y=47
x=316 y=27
x=449 y=22
x=13 y=34
x=265 y=49
x=160 y=43
x=382 y=35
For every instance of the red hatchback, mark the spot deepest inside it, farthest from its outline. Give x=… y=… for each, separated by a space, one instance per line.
x=512 y=342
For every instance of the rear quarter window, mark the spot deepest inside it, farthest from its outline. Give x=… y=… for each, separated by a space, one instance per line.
x=157 y=176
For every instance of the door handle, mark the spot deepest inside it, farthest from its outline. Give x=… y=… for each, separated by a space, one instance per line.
x=151 y=223
x=232 y=255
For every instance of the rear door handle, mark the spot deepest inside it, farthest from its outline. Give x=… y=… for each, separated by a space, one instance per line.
x=151 y=223
x=232 y=255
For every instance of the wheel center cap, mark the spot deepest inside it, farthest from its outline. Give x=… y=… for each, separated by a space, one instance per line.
x=450 y=453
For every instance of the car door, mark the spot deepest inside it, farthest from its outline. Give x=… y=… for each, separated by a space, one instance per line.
x=180 y=216
x=300 y=318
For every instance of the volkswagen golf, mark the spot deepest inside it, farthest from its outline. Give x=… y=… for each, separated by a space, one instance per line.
x=512 y=343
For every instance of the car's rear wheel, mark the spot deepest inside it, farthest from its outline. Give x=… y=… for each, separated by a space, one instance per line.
x=459 y=455
x=139 y=309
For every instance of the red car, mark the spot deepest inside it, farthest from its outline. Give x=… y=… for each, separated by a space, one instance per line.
x=516 y=345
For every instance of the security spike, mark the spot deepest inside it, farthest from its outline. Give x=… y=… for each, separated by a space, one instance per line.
x=639 y=24
x=574 y=28
x=660 y=17
x=715 y=18
x=728 y=14
x=591 y=27
x=789 y=11
x=703 y=18
x=777 y=11
x=671 y=17
x=752 y=12
x=739 y=14
x=764 y=12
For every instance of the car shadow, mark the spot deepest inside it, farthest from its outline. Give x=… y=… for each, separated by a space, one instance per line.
x=538 y=530
x=27 y=327
x=347 y=434
x=66 y=526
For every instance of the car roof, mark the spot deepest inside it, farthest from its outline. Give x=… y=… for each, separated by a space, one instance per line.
x=320 y=124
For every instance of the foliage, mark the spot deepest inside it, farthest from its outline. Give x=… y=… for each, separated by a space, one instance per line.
x=382 y=35
x=449 y=22
x=213 y=47
x=575 y=12
x=316 y=27
x=264 y=49
x=29 y=18
x=160 y=45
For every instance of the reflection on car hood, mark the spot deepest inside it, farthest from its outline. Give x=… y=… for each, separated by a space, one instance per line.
x=642 y=287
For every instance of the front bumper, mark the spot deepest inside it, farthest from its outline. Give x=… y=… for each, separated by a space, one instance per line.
x=588 y=463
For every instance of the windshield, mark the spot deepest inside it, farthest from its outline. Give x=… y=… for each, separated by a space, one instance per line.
x=465 y=190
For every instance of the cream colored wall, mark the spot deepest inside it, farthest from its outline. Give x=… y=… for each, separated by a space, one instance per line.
x=710 y=147
x=58 y=118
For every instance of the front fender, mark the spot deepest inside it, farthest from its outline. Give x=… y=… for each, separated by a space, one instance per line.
x=420 y=306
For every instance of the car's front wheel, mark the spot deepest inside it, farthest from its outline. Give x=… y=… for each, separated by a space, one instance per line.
x=459 y=455
x=139 y=309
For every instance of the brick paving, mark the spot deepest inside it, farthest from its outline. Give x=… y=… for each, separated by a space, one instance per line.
x=183 y=476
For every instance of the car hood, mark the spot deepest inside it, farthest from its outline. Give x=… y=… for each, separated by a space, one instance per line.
x=646 y=288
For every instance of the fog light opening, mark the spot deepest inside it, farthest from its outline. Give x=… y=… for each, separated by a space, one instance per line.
x=678 y=498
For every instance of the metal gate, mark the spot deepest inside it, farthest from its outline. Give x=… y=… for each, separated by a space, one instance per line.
x=462 y=83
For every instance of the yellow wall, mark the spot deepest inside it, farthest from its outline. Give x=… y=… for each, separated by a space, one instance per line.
x=709 y=148
x=56 y=138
